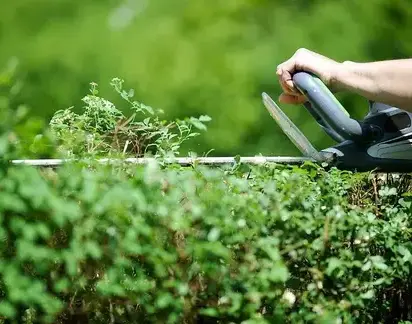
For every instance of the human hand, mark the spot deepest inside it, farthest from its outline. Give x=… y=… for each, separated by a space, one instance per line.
x=305 y=60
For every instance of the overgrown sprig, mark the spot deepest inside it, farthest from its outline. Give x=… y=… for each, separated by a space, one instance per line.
x=102 y=129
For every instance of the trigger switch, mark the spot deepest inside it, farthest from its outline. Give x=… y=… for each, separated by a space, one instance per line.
x=376 y=132
x=373 y=132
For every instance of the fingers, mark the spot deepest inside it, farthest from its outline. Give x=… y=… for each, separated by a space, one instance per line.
x=303 y=59
x=285 y=72
x=292 y=99
x=290 y=95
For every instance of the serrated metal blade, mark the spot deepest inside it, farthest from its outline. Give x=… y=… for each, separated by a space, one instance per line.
x=291 y=130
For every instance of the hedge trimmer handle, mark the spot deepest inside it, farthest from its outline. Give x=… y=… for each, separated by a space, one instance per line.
x=327 y=110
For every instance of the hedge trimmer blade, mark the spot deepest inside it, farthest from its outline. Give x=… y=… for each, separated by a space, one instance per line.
x=290 y=129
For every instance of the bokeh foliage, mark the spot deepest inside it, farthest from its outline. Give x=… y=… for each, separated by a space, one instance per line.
x=195 y=57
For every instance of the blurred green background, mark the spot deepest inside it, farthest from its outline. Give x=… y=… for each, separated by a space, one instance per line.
x=192 y=57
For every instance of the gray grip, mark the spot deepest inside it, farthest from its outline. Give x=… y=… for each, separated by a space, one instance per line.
x=326 y=106
x=322 y=124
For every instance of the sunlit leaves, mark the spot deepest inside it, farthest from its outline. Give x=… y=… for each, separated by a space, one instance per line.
x=102 y=129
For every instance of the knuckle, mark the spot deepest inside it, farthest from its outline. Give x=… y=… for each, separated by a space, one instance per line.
x=301 y=51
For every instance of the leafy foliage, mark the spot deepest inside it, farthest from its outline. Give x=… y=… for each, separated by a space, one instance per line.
x=178 y=245
x=96 y=243
x=104 y=129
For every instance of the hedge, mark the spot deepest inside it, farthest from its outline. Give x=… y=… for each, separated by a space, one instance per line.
x=93 y=243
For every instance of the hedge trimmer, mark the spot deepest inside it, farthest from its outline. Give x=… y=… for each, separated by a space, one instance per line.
x=381 y=141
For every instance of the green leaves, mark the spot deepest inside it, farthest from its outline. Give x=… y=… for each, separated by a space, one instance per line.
x=160 y=243
x=7 y=310
x=333 y=264
x=279 y=273
x=102 y=129
x=199 y=123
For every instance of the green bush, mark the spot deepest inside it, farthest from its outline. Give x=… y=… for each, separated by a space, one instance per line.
x=146 y=244
x=162 y=243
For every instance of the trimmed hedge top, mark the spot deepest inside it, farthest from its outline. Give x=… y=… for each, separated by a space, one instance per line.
x=146 y=244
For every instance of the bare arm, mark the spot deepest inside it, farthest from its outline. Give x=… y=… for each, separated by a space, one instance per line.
x=389 y=82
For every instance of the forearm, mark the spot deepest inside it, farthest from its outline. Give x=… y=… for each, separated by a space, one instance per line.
x=388 y=82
